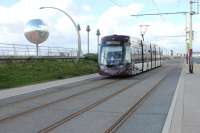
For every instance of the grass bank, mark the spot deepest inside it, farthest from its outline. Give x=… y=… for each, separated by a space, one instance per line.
x=14 y=74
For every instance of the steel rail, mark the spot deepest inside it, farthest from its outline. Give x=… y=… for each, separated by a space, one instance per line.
x=85 y=109
x=117 y=124
x=73 y=115
x=80 y=83
x=54 y=102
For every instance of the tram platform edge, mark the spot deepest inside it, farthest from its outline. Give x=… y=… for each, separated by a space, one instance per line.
x=184 y=112
x=19 y=93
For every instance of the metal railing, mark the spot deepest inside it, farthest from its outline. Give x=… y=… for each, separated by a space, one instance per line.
x=17 y=50
x=196 y=54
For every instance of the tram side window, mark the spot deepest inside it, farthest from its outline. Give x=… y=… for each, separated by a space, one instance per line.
x=135 y=54
x=148 y=55
x=140 y=55
x=153 y=54
x=128 y=54
x=145 y=54
x=158 y=54
x=132 y=53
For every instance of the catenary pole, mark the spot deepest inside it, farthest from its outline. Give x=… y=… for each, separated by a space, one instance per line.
x=190 y=40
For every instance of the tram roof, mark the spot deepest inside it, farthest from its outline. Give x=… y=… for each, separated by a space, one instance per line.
x=124 y=38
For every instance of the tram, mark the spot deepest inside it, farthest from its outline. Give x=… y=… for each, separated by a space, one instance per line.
x=121 y=55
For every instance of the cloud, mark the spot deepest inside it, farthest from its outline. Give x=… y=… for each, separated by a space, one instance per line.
x=62 y=31
x=87 y=8
x=113 y=20
x=116 y=19
x=13 y=18
x=166 y=1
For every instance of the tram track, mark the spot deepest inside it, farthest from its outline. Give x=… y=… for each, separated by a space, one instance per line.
x=119 y=122
x=95 y=104
x=56 y=101
x=51 y=91
x=59 y=90
x=85 y=109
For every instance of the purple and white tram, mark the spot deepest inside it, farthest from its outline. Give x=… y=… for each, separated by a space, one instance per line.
x=124 y=55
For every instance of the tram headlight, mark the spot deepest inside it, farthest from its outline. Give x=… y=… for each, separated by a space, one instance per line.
x=102 y=67
x=121 y=66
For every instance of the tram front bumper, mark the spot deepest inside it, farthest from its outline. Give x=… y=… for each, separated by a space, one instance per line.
x=113 y=71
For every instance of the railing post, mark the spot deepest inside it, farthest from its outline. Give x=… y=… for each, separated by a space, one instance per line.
x=151 y=55
x=155 y=55
x=160 y=55
x=14 y=50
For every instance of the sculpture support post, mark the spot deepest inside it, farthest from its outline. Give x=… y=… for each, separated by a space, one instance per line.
x=77 y=27
x=88 y=39
x=98 y=34
x=37 y=50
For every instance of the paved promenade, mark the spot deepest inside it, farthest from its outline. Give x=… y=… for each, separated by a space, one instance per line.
x=191 y=102
x=184 y=114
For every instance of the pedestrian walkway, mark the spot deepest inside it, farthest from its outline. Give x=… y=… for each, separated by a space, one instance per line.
x=184 y=113
x=191 y=103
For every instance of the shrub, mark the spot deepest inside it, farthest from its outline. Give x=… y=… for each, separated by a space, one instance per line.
x=93 y=57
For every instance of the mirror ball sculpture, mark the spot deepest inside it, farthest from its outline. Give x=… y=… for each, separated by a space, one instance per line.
x=36 y=32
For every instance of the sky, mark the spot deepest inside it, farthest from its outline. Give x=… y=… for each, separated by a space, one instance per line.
x=110 y=16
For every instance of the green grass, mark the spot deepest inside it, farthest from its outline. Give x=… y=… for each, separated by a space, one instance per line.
x=13 y=74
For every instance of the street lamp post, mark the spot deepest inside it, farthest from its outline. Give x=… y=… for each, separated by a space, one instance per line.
x=190 y=39
x=77 y=27
x=98 y=34
x=143 y=29
x=155 y=55
x=88 y=30
x=79 y=41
